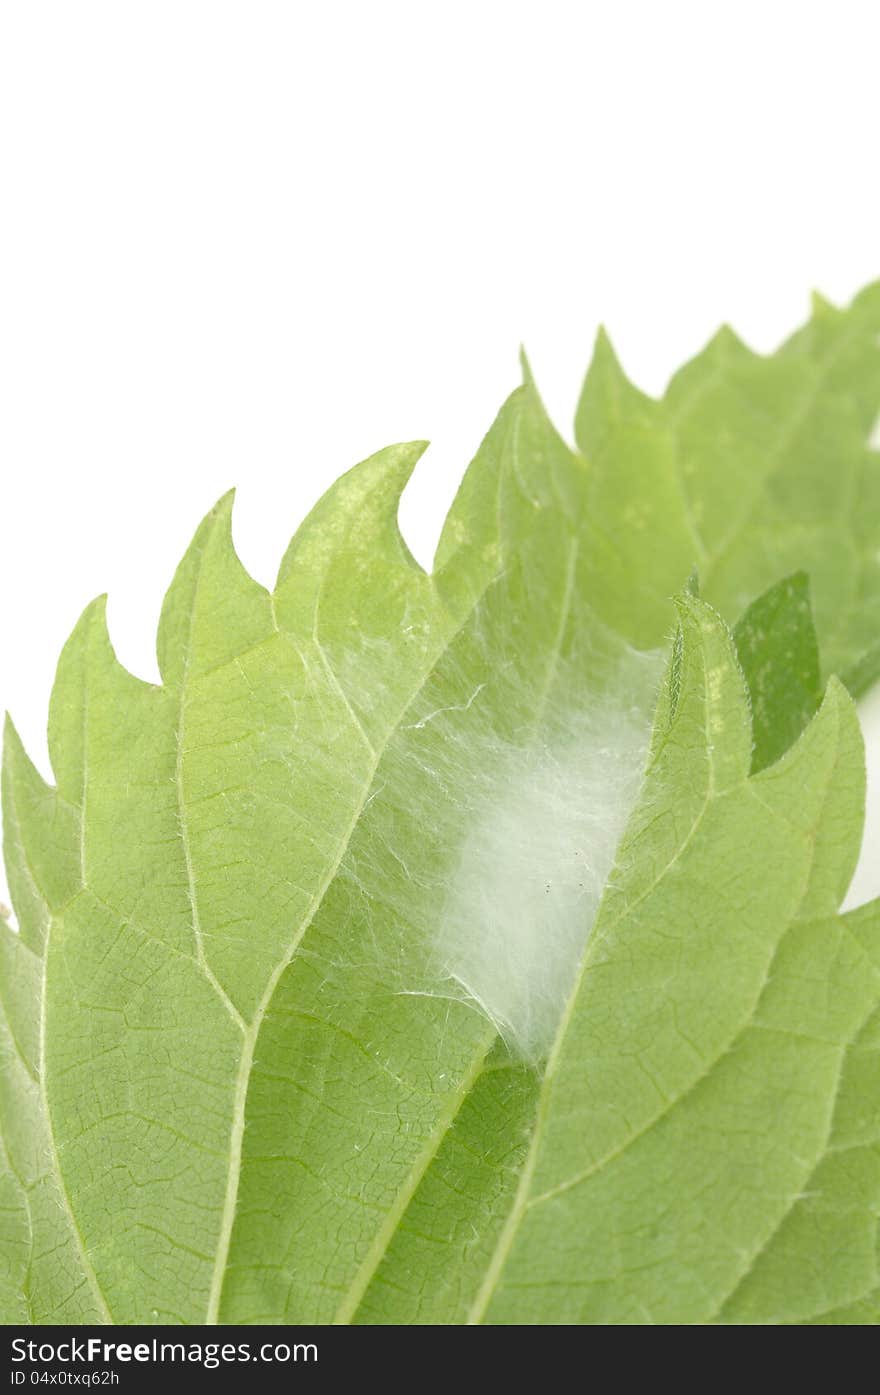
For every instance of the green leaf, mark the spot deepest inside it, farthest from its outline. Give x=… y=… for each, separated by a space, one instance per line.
x=196 y=831
x=778 y=653
x=46 y=1275
x=750 y=467
x=645 y=1175
x=300 y=1024
x=662 y=1179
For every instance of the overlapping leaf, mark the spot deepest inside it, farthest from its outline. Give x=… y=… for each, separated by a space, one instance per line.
x=237 y=1082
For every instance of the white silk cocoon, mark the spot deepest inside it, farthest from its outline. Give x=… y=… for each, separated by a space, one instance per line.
x=532 y=866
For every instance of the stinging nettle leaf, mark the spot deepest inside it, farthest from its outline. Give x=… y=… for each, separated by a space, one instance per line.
x=658 y=1176
x=750 y=467
x=777 y=649
x=413 y=953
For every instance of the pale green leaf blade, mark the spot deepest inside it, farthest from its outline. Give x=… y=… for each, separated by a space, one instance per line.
x=301 y=920
x=751 y=467
x=46 y=1272
x=778 y=652
x=373 y=1028
x=658 y=1173
x=822 y=1258
x=208 y=818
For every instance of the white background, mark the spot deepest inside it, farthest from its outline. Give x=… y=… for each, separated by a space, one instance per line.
x=250 y=243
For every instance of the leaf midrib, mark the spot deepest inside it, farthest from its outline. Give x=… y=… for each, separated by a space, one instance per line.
x=386 y=1232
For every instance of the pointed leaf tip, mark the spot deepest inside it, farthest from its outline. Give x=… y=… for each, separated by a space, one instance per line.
x=711 y=678
x=13 y=746
x=726 y=338
x=821 y=305
x=90 y=627
x=603 y=341
x=362 y=503
x=222 y=509
x=16 y=762
x=605 y=358
x=194 y=631
x=609 y=400
x=88 y=664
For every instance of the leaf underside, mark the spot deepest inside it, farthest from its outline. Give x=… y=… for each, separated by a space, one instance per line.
x=252 y=1068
